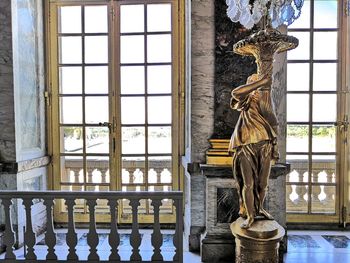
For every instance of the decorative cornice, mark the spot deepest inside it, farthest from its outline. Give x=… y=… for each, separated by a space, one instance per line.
x=23 y=166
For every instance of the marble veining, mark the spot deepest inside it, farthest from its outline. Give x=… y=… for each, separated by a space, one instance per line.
x=302 y=241
x=338 y=241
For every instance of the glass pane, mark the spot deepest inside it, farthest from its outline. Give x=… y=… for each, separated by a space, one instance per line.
x=297 y=107
x=324 y=108
x=133 y=140
x=304 y=20
x=133 y=170
x=97 y=139
x=303 y=50
x=159 y=110
x=324 y=168
x=96 y=20
x=71 y=140
x=159 y=139
x=97 y=170
x=297 y=138
x=96 y=109
x=298 y=76
x=296 y=197
x=132 y=80
x=325 y=45
x=70 y=80
x=132 y=49
x=159 y=48
x=158 y=17
x=132 y=18
x=70 y=50
x=133 y=110
x=69 y=19
x=96 y=80
x=72 y=169
x=159 y=79
x=325 y=14
x=159 y=170
x=323 y=199
x=299 y=167
x=325 y=76
x=323 y=138
x=96 y=49
x=71 y=110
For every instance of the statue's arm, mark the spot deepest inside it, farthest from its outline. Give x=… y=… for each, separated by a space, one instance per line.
x=242 y=91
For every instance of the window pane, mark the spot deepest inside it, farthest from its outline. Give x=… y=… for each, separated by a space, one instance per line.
x=96 y=19
x=324 y=167
x=97 y=139
x=159 y=48
x=325 y=76
x=159 y=139
x=159 y=17
x=96 y=80
x=325 y=45
x=304 y=20
x=71 y=110
x=132 y=80
x=297 y=76
x=96 y=49
x=303 y=50
x=299 y=167
x=96 y=109
x=160 y=169
x=132 y=49
x=297 y=138
x=159 y=110
x=297 y=107
x=133 y=140
x=69 y=19
x=325 y=15
x=97 y=172
x=72 y=139
x=70 y=80
x=70 y=50
x=132 y=18
x=133 y=110
x=324 y=107
x=133 y=170
x=159 y=79
x=323 y=199
x=72 y=170
x=296 y=198
x=323 y=138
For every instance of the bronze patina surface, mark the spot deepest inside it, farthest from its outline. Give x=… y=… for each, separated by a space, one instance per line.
x=253 y=144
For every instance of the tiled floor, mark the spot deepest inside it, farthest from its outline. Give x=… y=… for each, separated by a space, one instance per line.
x=303 y=247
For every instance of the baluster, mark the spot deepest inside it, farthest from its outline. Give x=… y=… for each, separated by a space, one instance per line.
x=159 y=173
x=50 y=236
x=135 y=238
x=9 y=236
x=76 y=175
x=113 y=238
x=89 y=175
x=71 y=237
x=92 y=237
x=103 y=175
x=157 y=237
x=178 y=257
x=29 y=235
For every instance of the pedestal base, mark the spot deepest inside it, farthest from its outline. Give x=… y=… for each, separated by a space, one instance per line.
x=259 y=243
x=217 y=248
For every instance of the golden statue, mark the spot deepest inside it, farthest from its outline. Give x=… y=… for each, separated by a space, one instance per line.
x=254 y=141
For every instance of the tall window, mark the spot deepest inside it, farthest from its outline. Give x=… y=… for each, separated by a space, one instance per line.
x=313 y=109
x=115 y=85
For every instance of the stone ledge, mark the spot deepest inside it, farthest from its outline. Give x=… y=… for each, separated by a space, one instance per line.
x=18 y=167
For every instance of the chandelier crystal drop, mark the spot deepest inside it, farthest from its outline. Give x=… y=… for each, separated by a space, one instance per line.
x=250 y=12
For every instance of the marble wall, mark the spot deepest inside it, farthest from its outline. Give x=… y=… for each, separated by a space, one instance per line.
x=7 y=112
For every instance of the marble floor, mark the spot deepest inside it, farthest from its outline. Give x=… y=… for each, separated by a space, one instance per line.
x=303 y=246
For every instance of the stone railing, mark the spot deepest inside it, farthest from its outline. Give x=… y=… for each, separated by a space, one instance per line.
x=8 y=198
x=323 y=181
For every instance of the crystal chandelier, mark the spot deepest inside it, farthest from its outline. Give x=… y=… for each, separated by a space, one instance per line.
x=250 y=12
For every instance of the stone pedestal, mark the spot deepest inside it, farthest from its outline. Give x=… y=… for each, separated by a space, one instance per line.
x=259 y=243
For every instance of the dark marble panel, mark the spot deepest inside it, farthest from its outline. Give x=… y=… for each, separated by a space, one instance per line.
x=302 y=241
x=338 y=241
x=231 y=70
x=227 y=205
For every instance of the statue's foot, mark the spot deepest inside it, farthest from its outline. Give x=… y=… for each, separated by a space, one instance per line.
x=242 y=212
x=267 y=215
x=247 y=223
